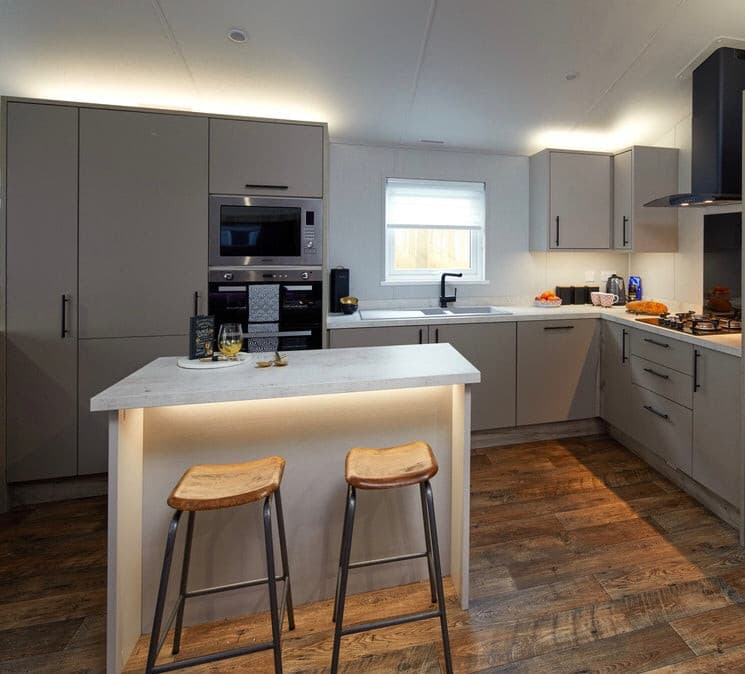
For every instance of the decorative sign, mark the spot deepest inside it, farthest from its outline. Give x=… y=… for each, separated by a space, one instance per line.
x=201 y=336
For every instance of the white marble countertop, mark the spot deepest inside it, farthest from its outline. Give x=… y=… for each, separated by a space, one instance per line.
x=163 y=383
x=730 y=344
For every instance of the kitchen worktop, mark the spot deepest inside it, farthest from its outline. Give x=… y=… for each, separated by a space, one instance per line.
x=163 y=383
x=725 y=343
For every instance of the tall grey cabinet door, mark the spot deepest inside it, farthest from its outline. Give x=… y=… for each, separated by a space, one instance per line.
x=557 y=369
x=716 y=423
x=623 y=206
x=143 y=222
x=580 y=197
x=103 y=362
x=490 y=347
x=616 y=389
x=42 y=190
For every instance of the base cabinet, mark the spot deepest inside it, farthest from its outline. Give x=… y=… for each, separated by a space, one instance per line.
x=557 y=370
x=392 y=336
x=615 y=377
x=716 y=423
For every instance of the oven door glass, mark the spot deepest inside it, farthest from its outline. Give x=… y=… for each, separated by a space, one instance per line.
x=260 y=231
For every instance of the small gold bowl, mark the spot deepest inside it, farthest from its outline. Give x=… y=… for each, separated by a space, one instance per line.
x=349 y=304
x=264 y=363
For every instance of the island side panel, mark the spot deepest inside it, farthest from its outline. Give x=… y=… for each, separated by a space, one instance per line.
x=313 y=434
x=124 y=573
x=461 y=491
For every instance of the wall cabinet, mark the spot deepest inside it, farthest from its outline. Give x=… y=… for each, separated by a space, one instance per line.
x=557 y=370
x=41 y=337
x=641 y=174
x=490 y=347
x=570 y=201
x=276 y=159
x=615 y=376
x=716 y=423
x=143 y=222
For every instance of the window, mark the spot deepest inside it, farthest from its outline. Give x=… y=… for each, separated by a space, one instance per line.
x=433 y=226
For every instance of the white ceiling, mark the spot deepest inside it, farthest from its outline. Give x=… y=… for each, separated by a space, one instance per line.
x=486 y=74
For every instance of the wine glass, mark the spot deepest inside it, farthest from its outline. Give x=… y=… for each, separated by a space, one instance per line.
x=230 y=340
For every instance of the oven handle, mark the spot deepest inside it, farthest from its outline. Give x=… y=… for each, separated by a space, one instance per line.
x=288 y=333
x=258 y=186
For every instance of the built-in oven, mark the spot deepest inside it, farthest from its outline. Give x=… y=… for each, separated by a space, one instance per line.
x=277 y=309
x=265 y=231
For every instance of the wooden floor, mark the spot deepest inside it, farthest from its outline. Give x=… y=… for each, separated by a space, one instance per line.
x=583 y=560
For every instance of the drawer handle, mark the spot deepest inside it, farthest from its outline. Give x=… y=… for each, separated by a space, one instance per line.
x=559 y=327
x=651 y=409
x=656 y=374
x=258 y=186
x=656 y=343
x=696 y=356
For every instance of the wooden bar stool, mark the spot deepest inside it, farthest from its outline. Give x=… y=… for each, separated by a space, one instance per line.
x=213 y=487
x=387 y=468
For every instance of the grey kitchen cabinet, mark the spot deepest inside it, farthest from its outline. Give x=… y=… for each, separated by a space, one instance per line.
x=716 y=423
x=266 y=158
x=641 y=174
x=570 y=200
x=557 y=370
x=102 y=363
x=489 y=346
x=615 y=376
x=143 y=222
x=41 y=335
x=383 y=336
x=663 y=350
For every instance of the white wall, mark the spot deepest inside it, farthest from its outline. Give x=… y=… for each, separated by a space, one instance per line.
x=356 y=225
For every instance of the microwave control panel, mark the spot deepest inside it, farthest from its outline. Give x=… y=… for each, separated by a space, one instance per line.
x=310 y=238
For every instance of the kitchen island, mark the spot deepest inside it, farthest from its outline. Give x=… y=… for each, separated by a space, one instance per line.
x=163 y=419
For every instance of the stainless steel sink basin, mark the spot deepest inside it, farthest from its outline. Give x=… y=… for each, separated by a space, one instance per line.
x=479 y=310
x=434 y=312
x=426 y=312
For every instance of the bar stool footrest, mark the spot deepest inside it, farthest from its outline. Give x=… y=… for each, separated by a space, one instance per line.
x=213 y=657
x=231 y=586
x=387 y=560
x=389 y=622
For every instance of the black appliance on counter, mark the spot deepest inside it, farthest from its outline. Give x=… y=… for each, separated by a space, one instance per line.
x=277 y=309
x=338 y=288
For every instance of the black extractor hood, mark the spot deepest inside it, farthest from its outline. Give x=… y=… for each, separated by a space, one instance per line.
x=716 y=148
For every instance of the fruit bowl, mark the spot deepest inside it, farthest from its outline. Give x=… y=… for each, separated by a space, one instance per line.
x=548 y=303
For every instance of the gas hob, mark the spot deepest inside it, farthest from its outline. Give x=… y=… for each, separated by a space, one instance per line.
x=697 y=324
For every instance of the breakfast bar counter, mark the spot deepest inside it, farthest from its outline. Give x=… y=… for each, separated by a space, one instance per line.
x=163 y=419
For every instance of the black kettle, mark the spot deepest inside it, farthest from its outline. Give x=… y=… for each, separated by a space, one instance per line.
x=617 y=286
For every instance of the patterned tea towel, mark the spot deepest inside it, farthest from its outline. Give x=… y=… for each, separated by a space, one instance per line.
x=263 y=303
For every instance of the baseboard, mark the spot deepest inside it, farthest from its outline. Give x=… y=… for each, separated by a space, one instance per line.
x=518 y=434
x=44 y=491
x=721 y=508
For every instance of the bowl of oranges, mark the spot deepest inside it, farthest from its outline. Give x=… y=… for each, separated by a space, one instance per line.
x=547 y=299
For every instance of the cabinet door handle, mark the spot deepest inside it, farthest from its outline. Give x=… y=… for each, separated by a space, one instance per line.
x=420 y=335
x=656 y=343
x=651 y=409
x=624 y=357
x=696 y=356
x=558 y=327
x=257 y=186
x=557 y=231
x=64 y=329
x=625 y=240
x=437 y=335
x=196 y=302
x=656 y=374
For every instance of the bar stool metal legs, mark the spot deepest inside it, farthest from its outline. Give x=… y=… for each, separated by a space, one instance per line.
x=435 y=571
x=277 y=607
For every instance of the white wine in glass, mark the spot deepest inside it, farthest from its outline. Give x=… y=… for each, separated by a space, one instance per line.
x=230 y=340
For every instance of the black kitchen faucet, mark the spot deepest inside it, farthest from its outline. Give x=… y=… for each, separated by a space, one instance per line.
x=444 y=299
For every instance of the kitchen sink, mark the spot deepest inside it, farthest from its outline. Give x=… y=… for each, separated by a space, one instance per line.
x=427 y=312
x=434 y=312
x=479 y=310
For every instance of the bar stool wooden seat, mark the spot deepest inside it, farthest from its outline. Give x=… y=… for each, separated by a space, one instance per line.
x=388 y=468
x=214 y=487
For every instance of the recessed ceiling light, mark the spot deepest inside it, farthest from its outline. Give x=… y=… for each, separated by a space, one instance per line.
x=237 y=35
x=571 y=75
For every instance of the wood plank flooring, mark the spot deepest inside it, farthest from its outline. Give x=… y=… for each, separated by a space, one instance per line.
x=583 y=560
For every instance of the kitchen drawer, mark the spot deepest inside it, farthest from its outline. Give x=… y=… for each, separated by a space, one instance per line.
x=665 y=381
x=664 y=427
x=662 y=350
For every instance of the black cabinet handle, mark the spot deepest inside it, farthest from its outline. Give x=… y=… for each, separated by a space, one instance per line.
x=651 y=409
x=656 y=343
x=420 y=335
x=557 y=231
x=64 y=330
x=625 y=240
x=258 y=186
x=624 y=357
x=196 y=302
x=437 y=335
x=558 y=327
x=656 y=374
x=696 y=356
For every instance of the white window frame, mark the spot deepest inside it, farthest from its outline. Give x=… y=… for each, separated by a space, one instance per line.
x=473 y=275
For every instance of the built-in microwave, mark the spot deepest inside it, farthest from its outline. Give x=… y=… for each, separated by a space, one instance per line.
x=265 y=231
